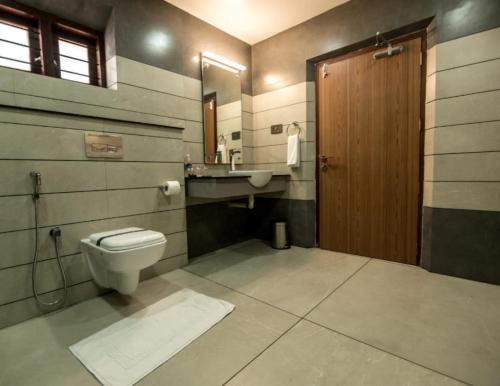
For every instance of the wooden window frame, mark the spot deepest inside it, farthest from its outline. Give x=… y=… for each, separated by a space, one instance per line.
x=46 y=29
x=19 y=19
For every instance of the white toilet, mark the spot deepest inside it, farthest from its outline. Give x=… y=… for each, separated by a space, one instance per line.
x=116 y=257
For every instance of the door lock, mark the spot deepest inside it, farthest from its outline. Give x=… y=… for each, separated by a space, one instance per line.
x=323 y=162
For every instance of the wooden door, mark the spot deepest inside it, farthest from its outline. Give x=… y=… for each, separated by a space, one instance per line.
x=210 y=126
x=369 y=137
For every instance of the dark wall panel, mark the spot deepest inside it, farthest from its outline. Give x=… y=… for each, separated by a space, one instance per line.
x=216 y=225
x=300 y=216
x=153 y=32
x=462 y=243
x=284 y=55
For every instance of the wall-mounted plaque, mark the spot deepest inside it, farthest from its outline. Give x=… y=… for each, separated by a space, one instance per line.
x=103 y=145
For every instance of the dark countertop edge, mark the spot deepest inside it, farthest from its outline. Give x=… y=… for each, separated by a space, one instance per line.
x=194 y=178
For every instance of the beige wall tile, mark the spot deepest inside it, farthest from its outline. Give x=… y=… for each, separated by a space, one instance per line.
x=431 y=60
x=306 y=172
x=277 y=153
x=282 y=97
x=428 y=189
x=263 y=137
x=164 y=266
x=7 y=99
x=193 y=132
x=67 y=176
x=16 y=212
x=150 y=77
x=247 y=120
x=123 y=175
x=139 y=148
x=192 y=88
x=139 y=129
x=430 y=88
x=464 y=138
x=465 y=167
x=247 y=138
x=428 y=168
x=247 y=103
x=301 y=190
x=135 y=201
x=196 y=152
x=229 y=111
x=429 y=141
x=228 y=126
x=64 y=208
x=475 y=78
x=15 y=282
x=466 y=195
x=171 y=221
x=176 y=244
x=470 y=49
x=6 y=80
x=24 y=309
x=467 y=109
x=111 y=72
x=300 y=112
x=35 y=142
x=430 y=115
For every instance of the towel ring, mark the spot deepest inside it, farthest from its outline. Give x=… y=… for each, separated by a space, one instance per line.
x=221 y=140
x=296 y=125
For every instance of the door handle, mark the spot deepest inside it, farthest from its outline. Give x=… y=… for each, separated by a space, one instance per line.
x=323 y=162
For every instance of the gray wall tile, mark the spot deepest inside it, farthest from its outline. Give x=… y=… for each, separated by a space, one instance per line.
x=67 y=176
x=134 y=201
x=124 y=175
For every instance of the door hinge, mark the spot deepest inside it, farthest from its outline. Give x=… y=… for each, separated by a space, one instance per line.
x=324 y=70
x=421 y=58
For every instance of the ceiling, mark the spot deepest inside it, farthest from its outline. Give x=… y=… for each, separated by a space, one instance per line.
x=255 y=20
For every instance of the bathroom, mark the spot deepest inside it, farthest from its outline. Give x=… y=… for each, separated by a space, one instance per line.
x=249 y=192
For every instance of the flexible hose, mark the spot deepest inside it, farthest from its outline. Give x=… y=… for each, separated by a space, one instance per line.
x=62 y=299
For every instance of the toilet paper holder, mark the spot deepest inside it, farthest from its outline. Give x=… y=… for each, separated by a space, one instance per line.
x=170 y=188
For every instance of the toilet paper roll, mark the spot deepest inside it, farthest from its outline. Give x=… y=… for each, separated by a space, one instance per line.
x=171 y=188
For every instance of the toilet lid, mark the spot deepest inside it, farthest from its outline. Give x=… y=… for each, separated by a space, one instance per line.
x=126 y=238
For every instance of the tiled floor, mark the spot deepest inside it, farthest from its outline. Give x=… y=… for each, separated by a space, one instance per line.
x=302 y=317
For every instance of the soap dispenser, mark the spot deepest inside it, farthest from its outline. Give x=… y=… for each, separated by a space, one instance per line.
x=188 y=166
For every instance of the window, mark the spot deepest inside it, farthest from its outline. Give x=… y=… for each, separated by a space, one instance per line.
x=19 y=46
x=37 y=42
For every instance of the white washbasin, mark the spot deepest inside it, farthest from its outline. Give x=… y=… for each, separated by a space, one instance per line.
x=257 y=178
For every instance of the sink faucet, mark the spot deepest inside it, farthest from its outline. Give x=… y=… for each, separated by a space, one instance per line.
x=233 y=158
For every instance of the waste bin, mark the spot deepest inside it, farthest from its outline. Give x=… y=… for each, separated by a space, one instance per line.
x=280 y=236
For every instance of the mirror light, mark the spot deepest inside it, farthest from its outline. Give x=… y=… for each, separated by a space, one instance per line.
x=223 y=62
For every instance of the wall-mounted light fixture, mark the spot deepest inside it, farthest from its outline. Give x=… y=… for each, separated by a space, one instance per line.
x=217 y=60
x=272 y=80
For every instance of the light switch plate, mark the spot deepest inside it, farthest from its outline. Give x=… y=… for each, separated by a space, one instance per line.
x=277 y=129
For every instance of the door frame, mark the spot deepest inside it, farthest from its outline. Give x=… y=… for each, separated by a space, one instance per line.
x=422 y=33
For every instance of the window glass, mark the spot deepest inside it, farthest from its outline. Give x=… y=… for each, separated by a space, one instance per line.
x=14 y=47
x=74 y=61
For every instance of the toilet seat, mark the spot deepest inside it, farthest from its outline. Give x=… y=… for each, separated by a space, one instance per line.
x=126 y=238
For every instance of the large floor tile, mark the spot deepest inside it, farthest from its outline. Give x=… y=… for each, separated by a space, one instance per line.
x=36 y=352
x=312 y=355
x=447 y=324
x=294 y=280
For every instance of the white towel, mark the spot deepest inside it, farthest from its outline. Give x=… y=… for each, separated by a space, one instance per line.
x=223 y=152
x=126 y=351
x=293 y=155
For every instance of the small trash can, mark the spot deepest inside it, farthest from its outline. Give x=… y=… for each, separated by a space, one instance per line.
x=280 y=236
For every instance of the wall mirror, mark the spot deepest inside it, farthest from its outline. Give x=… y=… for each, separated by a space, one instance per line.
x=222 y=109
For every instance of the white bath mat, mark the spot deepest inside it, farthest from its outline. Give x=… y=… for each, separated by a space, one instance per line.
x=128 y=350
